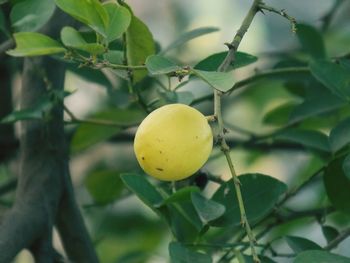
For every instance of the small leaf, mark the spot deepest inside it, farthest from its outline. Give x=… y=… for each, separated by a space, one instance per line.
x=337 y=185
x=309 y=138
x=189 y=36
x=222 y=81
x=329 y=233
x=119 y=20
x=299 y=244
x=318 y=256
x=72 y=38
x=260 y=194
x=213 y=62
x=335 y=77
x=311 y=41
x=184 y=194
x=280 y=114
x=91 y=13
x=181 y=254
x=208 y=210
x=339 y=135
x=104 y=185
x=143 y=189
x=346 y=166
x=34 y=44
x=140 y=45
x=31 y=15
x=157 y=65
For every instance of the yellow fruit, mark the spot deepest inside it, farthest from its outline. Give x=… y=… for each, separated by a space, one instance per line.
x=173 y=142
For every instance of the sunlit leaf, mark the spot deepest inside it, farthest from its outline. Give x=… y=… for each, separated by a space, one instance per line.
x=119 y=20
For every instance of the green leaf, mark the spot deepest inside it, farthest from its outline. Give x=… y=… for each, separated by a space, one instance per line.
x=334 y=76
x=181 y=254
x=222 y=81
x=339 y=135
x=311 y=40
x=157 y=65
x=280 y=114
x=119 y=20
x=329 y=233
x=346 y=166
x=318 y=256
x=309 y=138
x=3 y=26
x=72 y=38
x=89 y=134
x=143 y=189
x=140 y=45
x=184 y=194
x=337 y=185
x=189 y=36
x=104 y=185
x=208 y=210
x=260 y=194
x=213 y=62
x=89 y=12
x=299 y=244
x=263 y=259
x=31 y=15
x=34 y=44
x=114 y=56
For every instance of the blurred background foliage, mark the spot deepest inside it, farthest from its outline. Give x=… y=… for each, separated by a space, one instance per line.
x=123 y=228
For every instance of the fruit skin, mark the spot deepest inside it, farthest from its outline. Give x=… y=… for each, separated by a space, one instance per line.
x=173 y=142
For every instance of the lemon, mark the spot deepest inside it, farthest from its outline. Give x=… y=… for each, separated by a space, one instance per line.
x=173 y=142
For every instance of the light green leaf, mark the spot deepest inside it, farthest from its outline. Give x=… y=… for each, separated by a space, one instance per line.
x=208 y=210
x=318 y=256
x=72 y=38
x=299 y=244
x=213 y=62
x=104 y=185
x=346 y=166
x=119 y=20
x=222 y=81
x=335 y=77
x=88 y=134
x=157 y=65
x=34 y=44
x=30 y=15
x=140 y=45
x=181 y=254
x=89 y=12
x=260 y=194
x=339 y=136
x=189 y=36
x=337 y=185
x=311 y=40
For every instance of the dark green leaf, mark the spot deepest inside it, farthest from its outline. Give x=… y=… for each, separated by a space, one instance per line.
x=140 y=45
x=184 y=194
x=3 y=26
x=309 y=138
x=299 y=244
x=280 y=114
x=189 y=36
x=212 y=62
x=89 y=134
x=334 y=76
x=34 y=44
x=208 y=210
x=346 y=166
x=311 y=40
x=89 y=12
x=337 y=185
x=222 y=81
x=263 y=259
x=181 y=254
x=339 y=136
x=30 y=15
x=260 y=194
x=104 y=185
x=72 y=38
x=157 y=65
x=119 y=20
x=143 y=189
x=90 y=74
x=329 y=233
x=317 y=256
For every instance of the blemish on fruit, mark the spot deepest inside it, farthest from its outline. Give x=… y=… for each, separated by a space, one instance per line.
x=143 y=158
x=160 y=169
